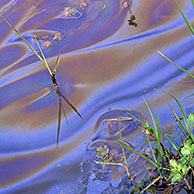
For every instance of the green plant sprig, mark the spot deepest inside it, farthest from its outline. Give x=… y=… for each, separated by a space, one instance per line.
x=180 y=169
x=53 y=78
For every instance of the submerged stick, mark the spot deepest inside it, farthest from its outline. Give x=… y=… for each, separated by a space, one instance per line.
x=131 y=20
x=59 y=120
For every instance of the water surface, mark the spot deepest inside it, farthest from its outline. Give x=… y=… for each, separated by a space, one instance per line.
x=106 y=68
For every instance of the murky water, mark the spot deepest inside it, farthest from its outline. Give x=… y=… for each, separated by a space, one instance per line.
x=106 y=68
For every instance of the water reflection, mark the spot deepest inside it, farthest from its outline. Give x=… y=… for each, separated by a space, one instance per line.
x=105 y=66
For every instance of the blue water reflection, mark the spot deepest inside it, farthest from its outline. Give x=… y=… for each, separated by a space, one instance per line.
x=106 y=67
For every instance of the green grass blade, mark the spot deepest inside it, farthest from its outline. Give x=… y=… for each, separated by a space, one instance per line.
x=136 y=118
x=180 y=122
x=45 y=61
x=187 y=128
x=152 y=183
x=193 y=3
x=188 y=96
x=185 y=18
x=173 y=137
x=158 y=142
x=165 y=151
x=177 y=136
x=121 y=139
x=185 y=119
x=172 y=143
x=135 y=151
x=56 y=64
x=150 y=145
x=160 y=152
x=26 y=43
x=175 y=64
x=153 y=120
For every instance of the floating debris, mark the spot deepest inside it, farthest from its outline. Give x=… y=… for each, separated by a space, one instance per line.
x=104 y=153
x=132 y=17
x=71 y=12
x=125 y=5
x=46 y=43
x=83 y=4
x=131 y=21
x=58 y=36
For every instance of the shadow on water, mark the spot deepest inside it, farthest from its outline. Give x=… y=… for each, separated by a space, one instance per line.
x=106 y=68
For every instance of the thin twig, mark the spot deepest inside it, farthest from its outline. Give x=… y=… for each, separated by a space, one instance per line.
x=115 y=163
x=189 y=187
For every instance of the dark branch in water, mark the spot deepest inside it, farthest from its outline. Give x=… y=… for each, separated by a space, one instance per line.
x=131 y=21
x=132 y=17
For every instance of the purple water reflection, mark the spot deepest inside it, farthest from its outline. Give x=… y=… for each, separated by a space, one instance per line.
x=105 y=65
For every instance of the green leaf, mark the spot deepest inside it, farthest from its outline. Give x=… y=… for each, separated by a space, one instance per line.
x=173 y=163
x=192 y=149
x=191 y=124
x=192 y=162
x=146 y=126
x=174 y=171
x=184 y=160
x=177 y=177
x=185 y=169
x=179 y=167
x=188 y=143
x=185 y=151
x=191 y=117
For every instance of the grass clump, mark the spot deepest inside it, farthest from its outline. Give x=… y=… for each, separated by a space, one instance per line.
x=171 y=167
x=174 y=167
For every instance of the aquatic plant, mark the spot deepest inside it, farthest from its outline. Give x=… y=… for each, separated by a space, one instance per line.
x=176 y=166
x=172 y=166
x=53 y=78
x=169 y=167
